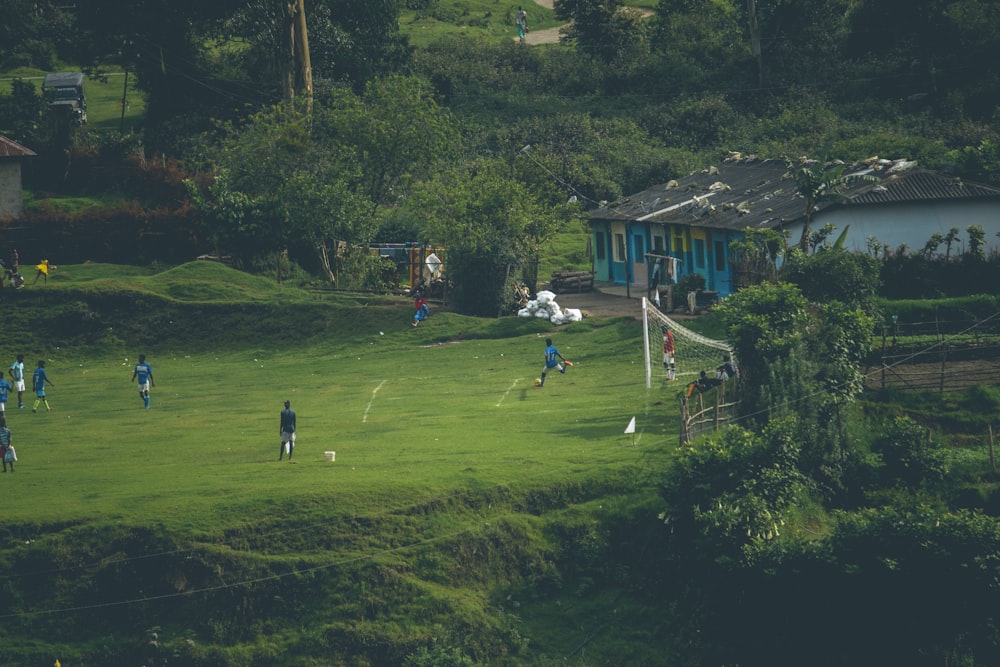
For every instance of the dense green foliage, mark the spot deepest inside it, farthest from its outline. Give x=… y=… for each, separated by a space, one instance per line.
x=468 y=519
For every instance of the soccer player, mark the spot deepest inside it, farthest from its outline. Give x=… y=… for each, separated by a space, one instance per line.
x=38 y=381
x=668 y=354
x=550 y=360
x=16 y=371
x=287 y=430
x=4 y=388
x=144 y=372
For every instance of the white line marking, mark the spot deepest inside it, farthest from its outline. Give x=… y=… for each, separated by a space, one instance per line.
x=364 y=419
x=508 y=391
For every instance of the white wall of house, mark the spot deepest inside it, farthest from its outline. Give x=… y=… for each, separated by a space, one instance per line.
x=909 y=224
x=11 y=200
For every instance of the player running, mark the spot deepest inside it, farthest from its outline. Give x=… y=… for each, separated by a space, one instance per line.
x=144 y=372
x=550 y=361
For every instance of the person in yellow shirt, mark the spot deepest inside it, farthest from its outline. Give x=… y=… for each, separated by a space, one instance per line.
x=43 y=271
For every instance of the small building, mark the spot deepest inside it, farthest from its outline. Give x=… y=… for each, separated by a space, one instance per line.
x=687 y=225
x=12 y=154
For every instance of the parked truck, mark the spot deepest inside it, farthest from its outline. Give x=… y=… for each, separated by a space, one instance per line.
x=64 y=90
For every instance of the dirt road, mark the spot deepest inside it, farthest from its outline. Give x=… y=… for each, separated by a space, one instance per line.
x=551 y=35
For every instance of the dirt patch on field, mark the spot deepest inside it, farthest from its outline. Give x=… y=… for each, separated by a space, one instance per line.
x=599 y=304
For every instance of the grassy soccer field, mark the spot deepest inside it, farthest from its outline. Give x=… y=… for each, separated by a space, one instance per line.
x=440 y=439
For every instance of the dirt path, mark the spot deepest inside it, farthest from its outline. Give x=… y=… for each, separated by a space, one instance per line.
x=551 y=35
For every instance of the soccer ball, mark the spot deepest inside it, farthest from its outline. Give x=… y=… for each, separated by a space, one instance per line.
x=538 y=382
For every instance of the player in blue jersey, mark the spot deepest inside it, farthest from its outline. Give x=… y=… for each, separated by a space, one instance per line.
x=38 y=381
x=550 y=361
x=4 y=388
x=144 y=372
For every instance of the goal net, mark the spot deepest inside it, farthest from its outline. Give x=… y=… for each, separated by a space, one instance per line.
x=693 y=352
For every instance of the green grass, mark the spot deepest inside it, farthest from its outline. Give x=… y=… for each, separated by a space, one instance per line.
x=449 y=463
x=485 y=19
x=104 y=97
x=481 y=19
x=408 y=417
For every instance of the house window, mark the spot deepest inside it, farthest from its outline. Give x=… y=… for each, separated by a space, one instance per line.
x=720 y=256
x=640 y=249
x=699 y=253
x=619 y=247
x=599 y=244
x=678 y=243
x=658 y=245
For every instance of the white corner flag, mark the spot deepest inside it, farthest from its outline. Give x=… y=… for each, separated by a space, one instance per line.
x=631 y=426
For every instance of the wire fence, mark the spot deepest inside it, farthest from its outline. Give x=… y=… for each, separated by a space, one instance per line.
x=939 y=356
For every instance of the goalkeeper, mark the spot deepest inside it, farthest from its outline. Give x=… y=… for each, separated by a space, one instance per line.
x=550 y=361
x=668 y=354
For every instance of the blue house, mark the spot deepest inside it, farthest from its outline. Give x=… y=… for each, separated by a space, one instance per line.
x=687 y=225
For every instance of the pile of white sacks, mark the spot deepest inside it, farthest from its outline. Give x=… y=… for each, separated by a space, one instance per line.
x=544 y=305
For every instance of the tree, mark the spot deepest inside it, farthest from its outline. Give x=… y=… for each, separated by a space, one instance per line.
x=279 y=184
x=322 y=176
x=817 y=183
x=490 y=224
x=21 y=111
x=350 y=40
x=603 y=29
x=399 y=131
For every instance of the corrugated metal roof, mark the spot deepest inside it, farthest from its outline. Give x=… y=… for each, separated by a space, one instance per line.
x=922 y=185
x=10 y=148
x=749 y=192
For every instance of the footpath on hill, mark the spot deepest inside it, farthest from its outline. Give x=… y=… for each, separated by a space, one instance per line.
x=551 y=35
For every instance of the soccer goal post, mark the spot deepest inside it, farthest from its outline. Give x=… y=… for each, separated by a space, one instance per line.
x=693 y=352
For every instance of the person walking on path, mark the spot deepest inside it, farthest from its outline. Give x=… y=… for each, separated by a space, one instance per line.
x=4 y=388
x=16 y=371
x=668 y=354
x=287 y=430
x=550 y=361
x=521 y=21
x=144 y=372
x=43 y=271
x=7 y=453
x=38 y=381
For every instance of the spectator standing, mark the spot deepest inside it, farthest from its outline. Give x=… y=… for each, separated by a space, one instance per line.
x=16 y=371
x=144 y=372
x=7 y=453
x=38 y=381
x=43 y=271
x=287 y=430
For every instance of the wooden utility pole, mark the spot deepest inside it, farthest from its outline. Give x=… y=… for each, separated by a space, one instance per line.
x=755 y=39
x=302 y=51
x=297 y=66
